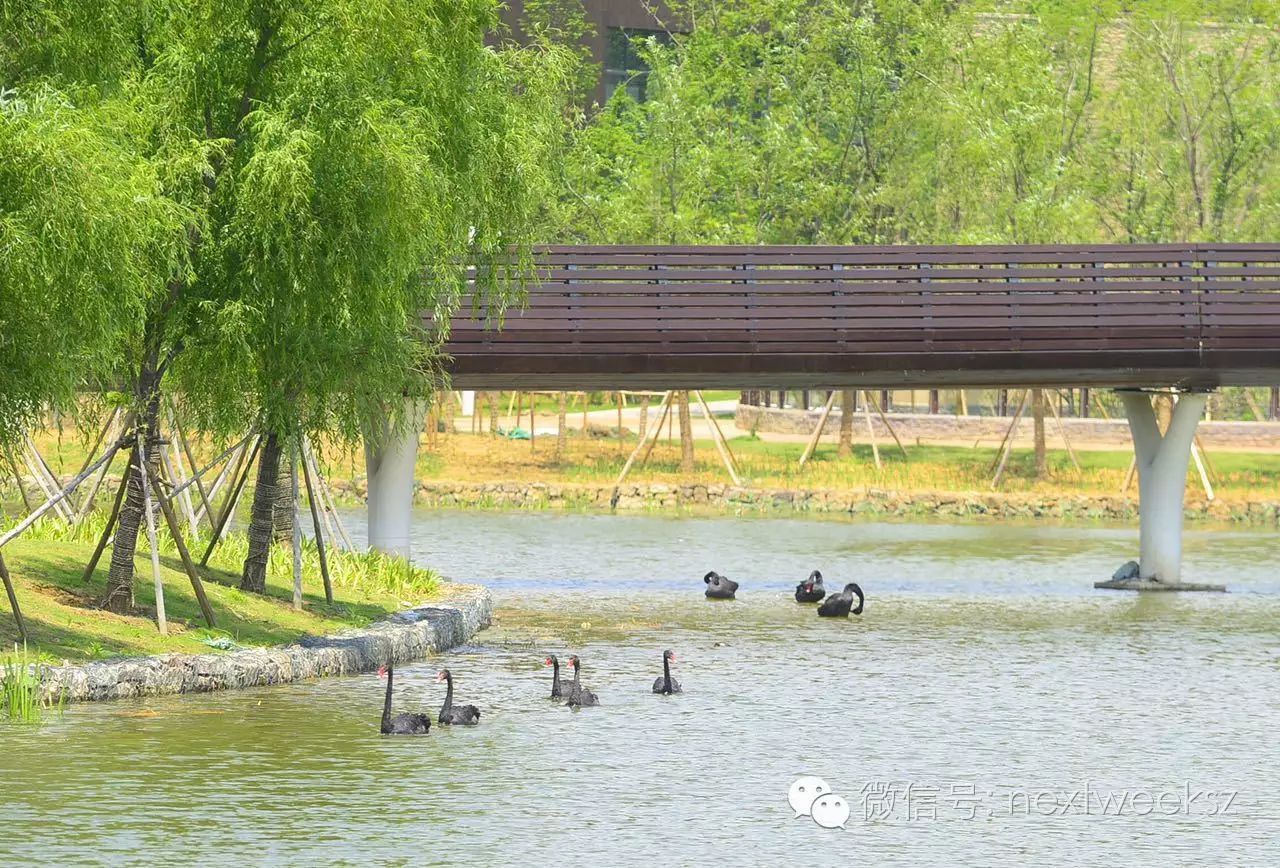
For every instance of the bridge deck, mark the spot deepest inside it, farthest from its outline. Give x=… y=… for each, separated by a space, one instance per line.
x=759 y=317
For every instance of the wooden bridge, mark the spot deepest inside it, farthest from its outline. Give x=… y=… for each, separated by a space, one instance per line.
x=1189 y=315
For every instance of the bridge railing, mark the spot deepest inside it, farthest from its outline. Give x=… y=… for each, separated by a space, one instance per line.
x=772 y=313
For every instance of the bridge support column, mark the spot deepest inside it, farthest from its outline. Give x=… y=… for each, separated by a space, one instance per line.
x=1161 y=461
x=390 y=466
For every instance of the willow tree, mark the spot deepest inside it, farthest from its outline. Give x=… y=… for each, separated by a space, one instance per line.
x=83 y=235
x=366 y=197
x=312 y=175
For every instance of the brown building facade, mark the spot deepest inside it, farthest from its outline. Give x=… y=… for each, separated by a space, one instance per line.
x=617 y=26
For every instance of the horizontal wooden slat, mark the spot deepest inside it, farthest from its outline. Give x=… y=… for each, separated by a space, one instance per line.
x=712 y=313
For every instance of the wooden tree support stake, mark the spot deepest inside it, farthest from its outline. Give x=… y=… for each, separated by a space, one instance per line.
x=885 y=421
x=13 y=599
x=1008 y=434
x=326 y=499
x=17 y=478
x=648 y=442
x=102 y=435
x=722 y=445
x=167 y=470
x=315 y=523
x=232 y=499
x=86 y=506
x=871 y=428
x=817 y=432
x=45 y=480
x=297 y=531
x=196 y=584
x=206 y=510
x=59 y=496
x=148 y=506
x=205 y=496
x=1062 y=429
x=1007 y=446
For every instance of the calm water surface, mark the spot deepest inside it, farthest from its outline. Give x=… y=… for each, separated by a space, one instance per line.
x=988 y=708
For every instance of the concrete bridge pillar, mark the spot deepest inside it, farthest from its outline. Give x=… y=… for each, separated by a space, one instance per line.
x=389 y=466
x=1161 y=461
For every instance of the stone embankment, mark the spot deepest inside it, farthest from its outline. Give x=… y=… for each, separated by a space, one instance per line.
x=874 y=502
x=406 y=635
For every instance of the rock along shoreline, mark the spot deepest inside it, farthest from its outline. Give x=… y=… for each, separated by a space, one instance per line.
x=876 y=503
x=407 y=635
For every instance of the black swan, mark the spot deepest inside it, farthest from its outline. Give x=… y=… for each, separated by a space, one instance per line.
x=401 y=724
x=579 y=695
x=463 y=715
x=559 y=690
x=811 y=590
x=718 y=587
x=665 y=683
x=839 y=605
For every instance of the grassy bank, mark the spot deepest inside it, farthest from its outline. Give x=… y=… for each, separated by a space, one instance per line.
x=769 y=464
x=47 y=566
x=774 y=465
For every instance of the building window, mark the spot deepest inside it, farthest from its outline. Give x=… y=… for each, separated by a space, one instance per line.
x=623 y=65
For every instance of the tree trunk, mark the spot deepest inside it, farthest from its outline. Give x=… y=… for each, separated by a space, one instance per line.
x=262 y=517
x=282 y=513
x=495 y=398
x=562 y=412
x=1037 y=415
x=686 y=434
x=644 y=416
x=848 y=398
x=119 y=593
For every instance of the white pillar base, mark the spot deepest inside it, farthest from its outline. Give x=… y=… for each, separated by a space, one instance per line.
x=1162 y=461
x=468 y=402
x=390 y=468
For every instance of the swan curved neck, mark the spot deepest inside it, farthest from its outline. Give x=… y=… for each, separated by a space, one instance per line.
x=555 y=676
x=448 y=693
x=666 y=673
x=861 y=599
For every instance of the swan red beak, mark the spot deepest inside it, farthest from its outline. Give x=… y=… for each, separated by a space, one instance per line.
x=382 y=672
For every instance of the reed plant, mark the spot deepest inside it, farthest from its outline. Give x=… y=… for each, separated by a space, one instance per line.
x=20 y=688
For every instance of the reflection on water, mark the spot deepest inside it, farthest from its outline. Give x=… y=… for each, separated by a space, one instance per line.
x=985 y=670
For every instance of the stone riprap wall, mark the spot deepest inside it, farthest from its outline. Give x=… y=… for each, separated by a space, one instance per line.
x=406 y=635
x=925 y=428
x=875 y=502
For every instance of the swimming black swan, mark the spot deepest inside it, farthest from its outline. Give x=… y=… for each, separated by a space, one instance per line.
x=579 y=695
x=811 y=590
x=718 y=587
x=666 y=684
x=559 y=690
x=463 y=715
x=401 y=724
x=839 y=605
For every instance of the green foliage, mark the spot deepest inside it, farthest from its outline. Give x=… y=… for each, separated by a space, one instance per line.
x=20 y=693
x=780 y=121
x=369 y=572
x=84 y=237
x=253 y=199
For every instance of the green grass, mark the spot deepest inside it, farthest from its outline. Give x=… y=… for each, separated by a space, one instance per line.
x=773 y=464
x=47 y=565
x=20 y=688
